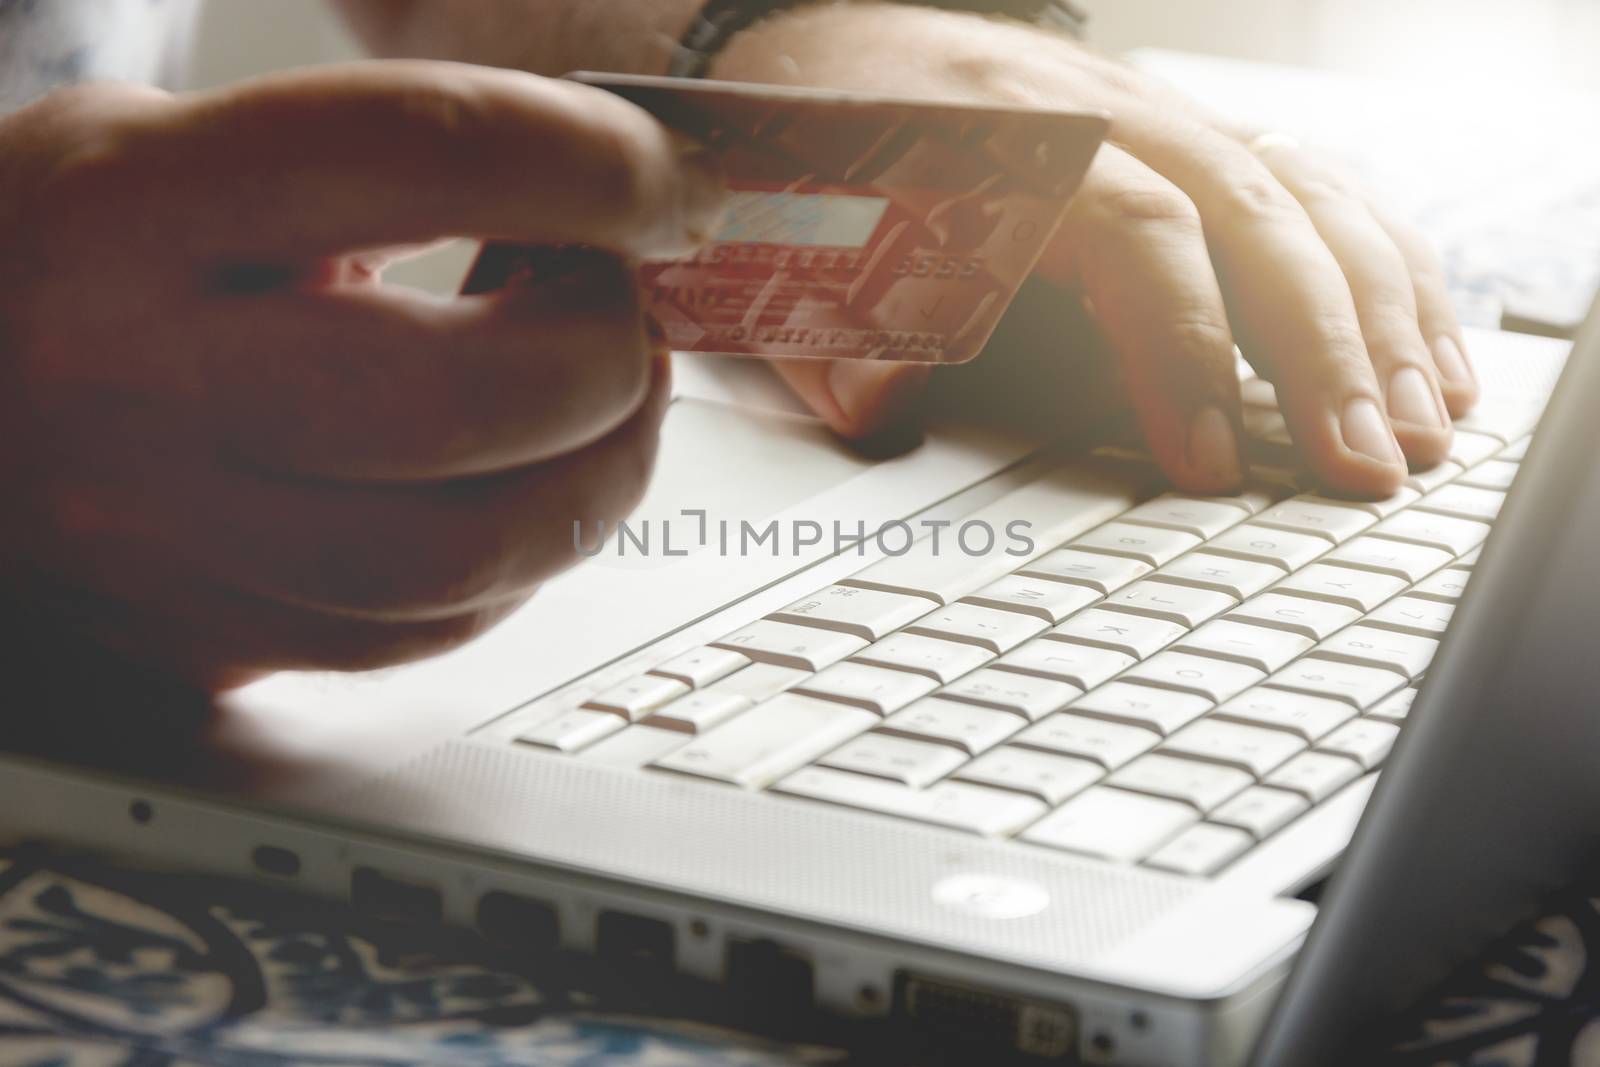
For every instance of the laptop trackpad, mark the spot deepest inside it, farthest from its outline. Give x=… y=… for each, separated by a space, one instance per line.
x=734 y=463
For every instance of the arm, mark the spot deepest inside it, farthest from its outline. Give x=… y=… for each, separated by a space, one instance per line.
x=544 y=36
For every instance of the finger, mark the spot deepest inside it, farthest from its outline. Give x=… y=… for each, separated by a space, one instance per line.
x=1135 y=245
x=373 y=383
x=1386 y=304
x=1289 y=302
x=859 y=399
x=1436 y=313
x=404 y=553
x=320 y=161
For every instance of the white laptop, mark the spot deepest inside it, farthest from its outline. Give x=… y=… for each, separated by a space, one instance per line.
x=1060 y=791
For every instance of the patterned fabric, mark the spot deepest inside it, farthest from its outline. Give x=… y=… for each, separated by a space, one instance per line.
x=49 y=43
x=102 y=967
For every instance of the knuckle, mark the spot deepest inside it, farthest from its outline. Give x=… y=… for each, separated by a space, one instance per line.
x=1262 y=198
x=1151 y=204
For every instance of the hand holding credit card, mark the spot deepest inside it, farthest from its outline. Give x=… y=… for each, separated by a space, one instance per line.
x=857 y=227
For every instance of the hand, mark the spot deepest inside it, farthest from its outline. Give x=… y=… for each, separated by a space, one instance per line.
x=1182 y=240
x=226 y=449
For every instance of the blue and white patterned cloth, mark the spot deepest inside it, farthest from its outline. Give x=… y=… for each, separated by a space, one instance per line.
x=49 y=43
x=104 y=967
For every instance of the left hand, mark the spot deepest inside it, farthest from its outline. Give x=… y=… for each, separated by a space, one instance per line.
x=1181 y=240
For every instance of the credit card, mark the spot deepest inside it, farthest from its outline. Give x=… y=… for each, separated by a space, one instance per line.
x=858 y=227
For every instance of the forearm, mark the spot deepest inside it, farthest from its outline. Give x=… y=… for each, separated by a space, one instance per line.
x=544 y=36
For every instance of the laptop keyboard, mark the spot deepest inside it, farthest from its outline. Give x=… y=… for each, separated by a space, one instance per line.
x=1170 y=687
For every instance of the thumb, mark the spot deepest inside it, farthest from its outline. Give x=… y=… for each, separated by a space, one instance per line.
x=859 y=399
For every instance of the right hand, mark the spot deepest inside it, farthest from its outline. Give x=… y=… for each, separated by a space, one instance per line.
x=225 y=449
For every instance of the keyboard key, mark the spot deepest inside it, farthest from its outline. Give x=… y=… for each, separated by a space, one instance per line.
x=1261 y=811
x=1038 y=597
x=1378 y=509
x=1082 y=665
x=1249 y=748
x=1261 y=647
x=943 y=661
x=1315 y=775
x=865 y=613
x=1132 y=635
x=1161 y=710
x=1237 y=578
x=1310 y=618
x=1256 y=496
x=1331 y=523
x=1432 y=478
x=569 y=731
x=1278 y=548
x=1103 y=574
x=701 y=666
x=1175 y=603
x=1504 y=422
x=958 y=805
x=1360 y=687
x=1469 y=449
x=699 y=711
x=1111 y=824
x=1366 y=741
x=1022 y=694
x=1495 y=474
x=1049 y=777
x=1308 y=717
x=1110 y=744
x=1464 y=502
x=1258 y=393
x=1201 y=850
x=1443 y=532
x=1362 y=590
x=1394 y=709
x=1147 y=544
x=1202 y=518
x=1061 y=504
x=997 y=631
x=787 y=645
x=637 y=697
x=966 y=726
x=1413 y=615
x=913 y=763
x=1516 y=451
x=1469 y=560
x=1406 y=654
x=759 y=681
x=634 y=747
x=878 y=689
x=1201 y=785
x=771 y=740
x=1445 y=586
x=1409 y=562
x=1214 y=679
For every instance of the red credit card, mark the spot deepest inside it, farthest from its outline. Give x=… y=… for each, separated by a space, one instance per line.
x=858 y=227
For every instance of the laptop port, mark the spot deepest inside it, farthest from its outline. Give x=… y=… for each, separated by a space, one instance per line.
x=987 y=1019
x=393 y=899
x=281 y=862
x=768 y=983
x=633 y=939
x=516 y=924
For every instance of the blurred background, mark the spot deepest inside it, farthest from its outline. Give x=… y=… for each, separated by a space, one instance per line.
x=1552 y=41
x=1475 y=117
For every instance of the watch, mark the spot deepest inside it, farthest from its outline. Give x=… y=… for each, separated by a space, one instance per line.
x=720 y=20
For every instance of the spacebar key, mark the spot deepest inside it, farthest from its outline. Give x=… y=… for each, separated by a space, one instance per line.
x=1061 y=504
x=757 y=748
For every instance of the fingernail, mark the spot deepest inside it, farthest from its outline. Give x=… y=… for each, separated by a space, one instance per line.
x=705 y=192
x=1452 y=362
x=859 y=390
x=1367 y=432
x=1411 y=399
x=1213 y=446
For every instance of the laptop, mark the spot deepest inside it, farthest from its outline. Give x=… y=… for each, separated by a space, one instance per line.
x=1067 y=787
